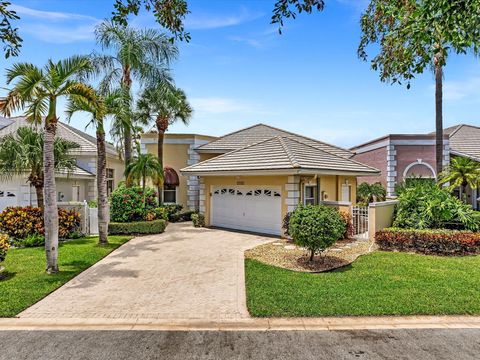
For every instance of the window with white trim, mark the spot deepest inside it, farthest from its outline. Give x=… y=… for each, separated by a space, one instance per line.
x=309 y=194
x=110 y=180
x=169 y=194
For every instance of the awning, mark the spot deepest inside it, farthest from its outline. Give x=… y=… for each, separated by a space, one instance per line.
x=170 y=176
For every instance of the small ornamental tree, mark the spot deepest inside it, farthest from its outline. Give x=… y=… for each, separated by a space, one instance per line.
x=316 y=227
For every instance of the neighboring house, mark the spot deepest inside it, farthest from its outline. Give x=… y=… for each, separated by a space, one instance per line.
x=402 y=156
x=249 y=179
x=78 y=185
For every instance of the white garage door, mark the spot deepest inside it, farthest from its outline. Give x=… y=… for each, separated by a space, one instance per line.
x=257 y=209
x=7 y=198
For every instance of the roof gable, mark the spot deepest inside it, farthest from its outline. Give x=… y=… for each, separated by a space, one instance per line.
x=279 y=153
x=465 y=140
x=260 y=132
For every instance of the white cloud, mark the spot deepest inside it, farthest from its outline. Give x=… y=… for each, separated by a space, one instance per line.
x=199 y=21
x=50 y=15
x=459 y=90
x=56 y=27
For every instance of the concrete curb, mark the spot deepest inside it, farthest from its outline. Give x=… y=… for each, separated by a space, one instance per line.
x=258 y=324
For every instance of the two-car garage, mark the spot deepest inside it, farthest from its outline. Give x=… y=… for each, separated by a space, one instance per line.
x=247 y=208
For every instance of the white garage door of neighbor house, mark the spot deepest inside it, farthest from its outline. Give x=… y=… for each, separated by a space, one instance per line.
x=7 y=198
x=256 y=209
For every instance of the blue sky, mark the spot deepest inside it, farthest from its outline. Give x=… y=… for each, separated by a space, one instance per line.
x=237 y=70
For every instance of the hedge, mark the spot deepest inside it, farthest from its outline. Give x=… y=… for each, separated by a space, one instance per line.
x=435 y=241
x=137 y=227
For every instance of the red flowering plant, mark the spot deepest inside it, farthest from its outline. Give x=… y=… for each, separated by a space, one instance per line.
x=126 y=204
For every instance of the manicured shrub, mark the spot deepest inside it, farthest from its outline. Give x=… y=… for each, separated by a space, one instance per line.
x=181 y=216
x=437 y=241
x=4 y=246
x=172 y=210
x=349 y=228
x=286 y=223
x=426 y=206
x=126 y=204
x=198 y=220
x=137 y=227
x=22 y=222
x=316 y=227
x=367 y=193
x=32 y=240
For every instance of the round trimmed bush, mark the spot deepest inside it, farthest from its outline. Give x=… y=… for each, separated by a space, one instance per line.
x=126 y=204
x=316 y=227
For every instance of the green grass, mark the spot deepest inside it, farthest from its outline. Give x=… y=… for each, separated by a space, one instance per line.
x=25 y=281
x=381 y=283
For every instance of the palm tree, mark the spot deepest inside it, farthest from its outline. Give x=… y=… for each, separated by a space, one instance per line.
x=367 y=193
x=137 y=54
x=164 y=105
x=112 y=103
x=142 y=167
x=22 y=153
x=461 y=172
x=37 y=90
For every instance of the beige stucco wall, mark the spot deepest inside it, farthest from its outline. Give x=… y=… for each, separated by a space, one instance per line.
x=211 y=181
x=118 y=167
x=176 y=157
x=380 y=216
x=65 y=186
x=331 y=185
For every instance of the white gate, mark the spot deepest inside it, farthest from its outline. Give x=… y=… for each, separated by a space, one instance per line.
x=360 y=222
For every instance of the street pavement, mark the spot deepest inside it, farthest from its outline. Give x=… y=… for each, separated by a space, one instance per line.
x=422 y=344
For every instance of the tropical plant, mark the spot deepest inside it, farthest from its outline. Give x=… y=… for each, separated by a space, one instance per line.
x=143 y=55
x=164 y=105
x=111 y=103
x=22 y=153
x=132 y=203
x=417 y=34
x=21 y=222
x=4 y=246
x=461 y=172
x=143 y=167
x=367 y=193
x=427 y=206
x=37 y=90
x=316 y=227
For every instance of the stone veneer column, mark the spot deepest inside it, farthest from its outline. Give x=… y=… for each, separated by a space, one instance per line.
x=391 y=169
x=193 y=182
x=202 y=196
x=446 y=153
x=293 y=192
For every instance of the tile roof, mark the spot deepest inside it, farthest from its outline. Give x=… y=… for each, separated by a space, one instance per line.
x=280 y=153
x=77 y=172
x=260 y=132
x=465 y=140
x=87 y=142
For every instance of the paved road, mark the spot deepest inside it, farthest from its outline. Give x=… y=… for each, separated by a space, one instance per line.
x=291 y=345
x=184 y=273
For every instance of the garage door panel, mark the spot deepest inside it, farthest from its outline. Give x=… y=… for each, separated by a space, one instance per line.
x=254 y=209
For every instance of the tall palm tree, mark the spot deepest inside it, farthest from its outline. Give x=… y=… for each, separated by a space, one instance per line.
x=37 y=91
x=143 y=167
x=112 y=103
x=461 y=172
x=165 y=105
x=143 y=55
x=22 y=153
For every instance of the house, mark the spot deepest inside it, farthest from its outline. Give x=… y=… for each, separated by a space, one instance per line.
x=77 y=185
x=400 y=156
x=249 y=179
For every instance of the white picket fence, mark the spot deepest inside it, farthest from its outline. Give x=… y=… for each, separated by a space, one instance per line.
x=88 y=216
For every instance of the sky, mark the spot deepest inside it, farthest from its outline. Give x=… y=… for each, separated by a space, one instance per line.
x=238 y=71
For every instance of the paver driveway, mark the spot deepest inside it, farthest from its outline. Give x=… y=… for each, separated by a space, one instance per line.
x=185 y=273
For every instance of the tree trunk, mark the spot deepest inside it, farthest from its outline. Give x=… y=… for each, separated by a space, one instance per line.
x=50 y=198
x=161 y=136
x=312 y=254
x=102 y=202
x=438 y=116
x=127 y=133
x=144 y=180
x=39 y=192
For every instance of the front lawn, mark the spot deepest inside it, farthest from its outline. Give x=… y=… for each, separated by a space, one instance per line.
x=381 y=283
x=25 y=281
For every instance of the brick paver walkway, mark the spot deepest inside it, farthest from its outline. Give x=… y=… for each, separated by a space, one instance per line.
x=185 y=273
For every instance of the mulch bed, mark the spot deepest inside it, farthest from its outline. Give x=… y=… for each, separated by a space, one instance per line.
x=284 y=254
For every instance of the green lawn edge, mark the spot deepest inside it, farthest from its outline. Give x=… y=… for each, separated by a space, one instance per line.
x=377 y=284
x=25 y=282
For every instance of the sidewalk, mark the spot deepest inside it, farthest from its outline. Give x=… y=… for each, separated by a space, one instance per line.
x=258 y=324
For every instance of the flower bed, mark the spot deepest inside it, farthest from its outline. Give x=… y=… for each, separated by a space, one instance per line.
x=435 y=241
